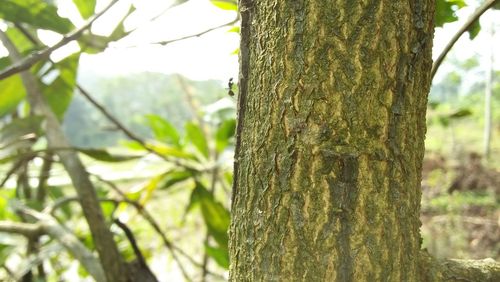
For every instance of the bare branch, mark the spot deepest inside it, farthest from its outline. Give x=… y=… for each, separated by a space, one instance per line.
x=131 y=135
x=472 y=19
x=68 y=240
x=33 y=58
x=166 y=42
x=29 y=230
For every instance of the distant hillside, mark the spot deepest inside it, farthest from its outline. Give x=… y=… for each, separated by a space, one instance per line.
x=129 y=98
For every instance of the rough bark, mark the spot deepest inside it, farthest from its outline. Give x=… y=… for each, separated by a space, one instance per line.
x=330 y=140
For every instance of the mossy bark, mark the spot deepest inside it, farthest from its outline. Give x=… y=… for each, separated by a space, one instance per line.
x=330 y=140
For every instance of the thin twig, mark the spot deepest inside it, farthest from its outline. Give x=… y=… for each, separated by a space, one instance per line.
x=166 y=42
x=472 y=19
x=67 y=239
x=33 y=58
x=146 y=215
x=23 y=159
x=130 y=134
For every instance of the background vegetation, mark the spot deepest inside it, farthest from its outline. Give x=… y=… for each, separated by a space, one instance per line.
x=159 y=147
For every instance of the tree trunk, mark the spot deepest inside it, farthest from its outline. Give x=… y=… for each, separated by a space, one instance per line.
x=330 y=140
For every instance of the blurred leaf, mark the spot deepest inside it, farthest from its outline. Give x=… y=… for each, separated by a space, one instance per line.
x=197 y=138
x=132 y=145
x=220 y=255
x=445 y=11
x=224 y=134
x=433 y=104
x=108 y=209
x=5 y=211
x=55 y=193
x=444 y=121
x=19 y=40
x=226 y=4
x=104 y=156
x=174 y=176
x=461 y=113
x=40 y=14
x=474 y=29
x=119 y=31
x=228 y=176
x=148 y=188
x=86 y=7
x=60 y=92
x=215 y=215
x=92 y=43
x=234 y=29
x=19 y=133
x=5 y=251
x=170 y=151
x=12 y=92
x=164 y=130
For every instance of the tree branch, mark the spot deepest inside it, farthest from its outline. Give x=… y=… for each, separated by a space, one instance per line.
x=48 y=225
x=28 y=61
x=136 y=138
x=432 y=269
x=149 y=218
x=166 y=42
x=472 y=19
x=106 y=247
x=30 y=230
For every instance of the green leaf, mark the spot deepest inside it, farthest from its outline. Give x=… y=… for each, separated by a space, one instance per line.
x=39 y=14
x=149 y=188
x=215 y=215
x=220 y=255
x=445 y=11
x=231 y=5
x=234 y=29
x=174 y=176
x=108 y=209
x=19 y=40
x=170 y=151
x=19 y=131
x=461 y=113
x=105 y=156
x=12 y=92
x=196 y=136
x=5 y=211
x=474 y=30
x=92 y=44
x=444 y=121
x=86 y=7
x=5 y=251
x=163 y=130
x=224 y=134
x=59 y=93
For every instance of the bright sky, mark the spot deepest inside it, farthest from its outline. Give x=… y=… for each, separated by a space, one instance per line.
x=206 y=57
x=209 y=56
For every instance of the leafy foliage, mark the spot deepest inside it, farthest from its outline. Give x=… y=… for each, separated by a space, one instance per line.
x=445 y=11
x=36 y=13
x=231 y=5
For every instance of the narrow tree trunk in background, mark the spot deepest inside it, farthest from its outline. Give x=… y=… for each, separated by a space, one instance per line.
x=487 y=95
x=330 y=140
